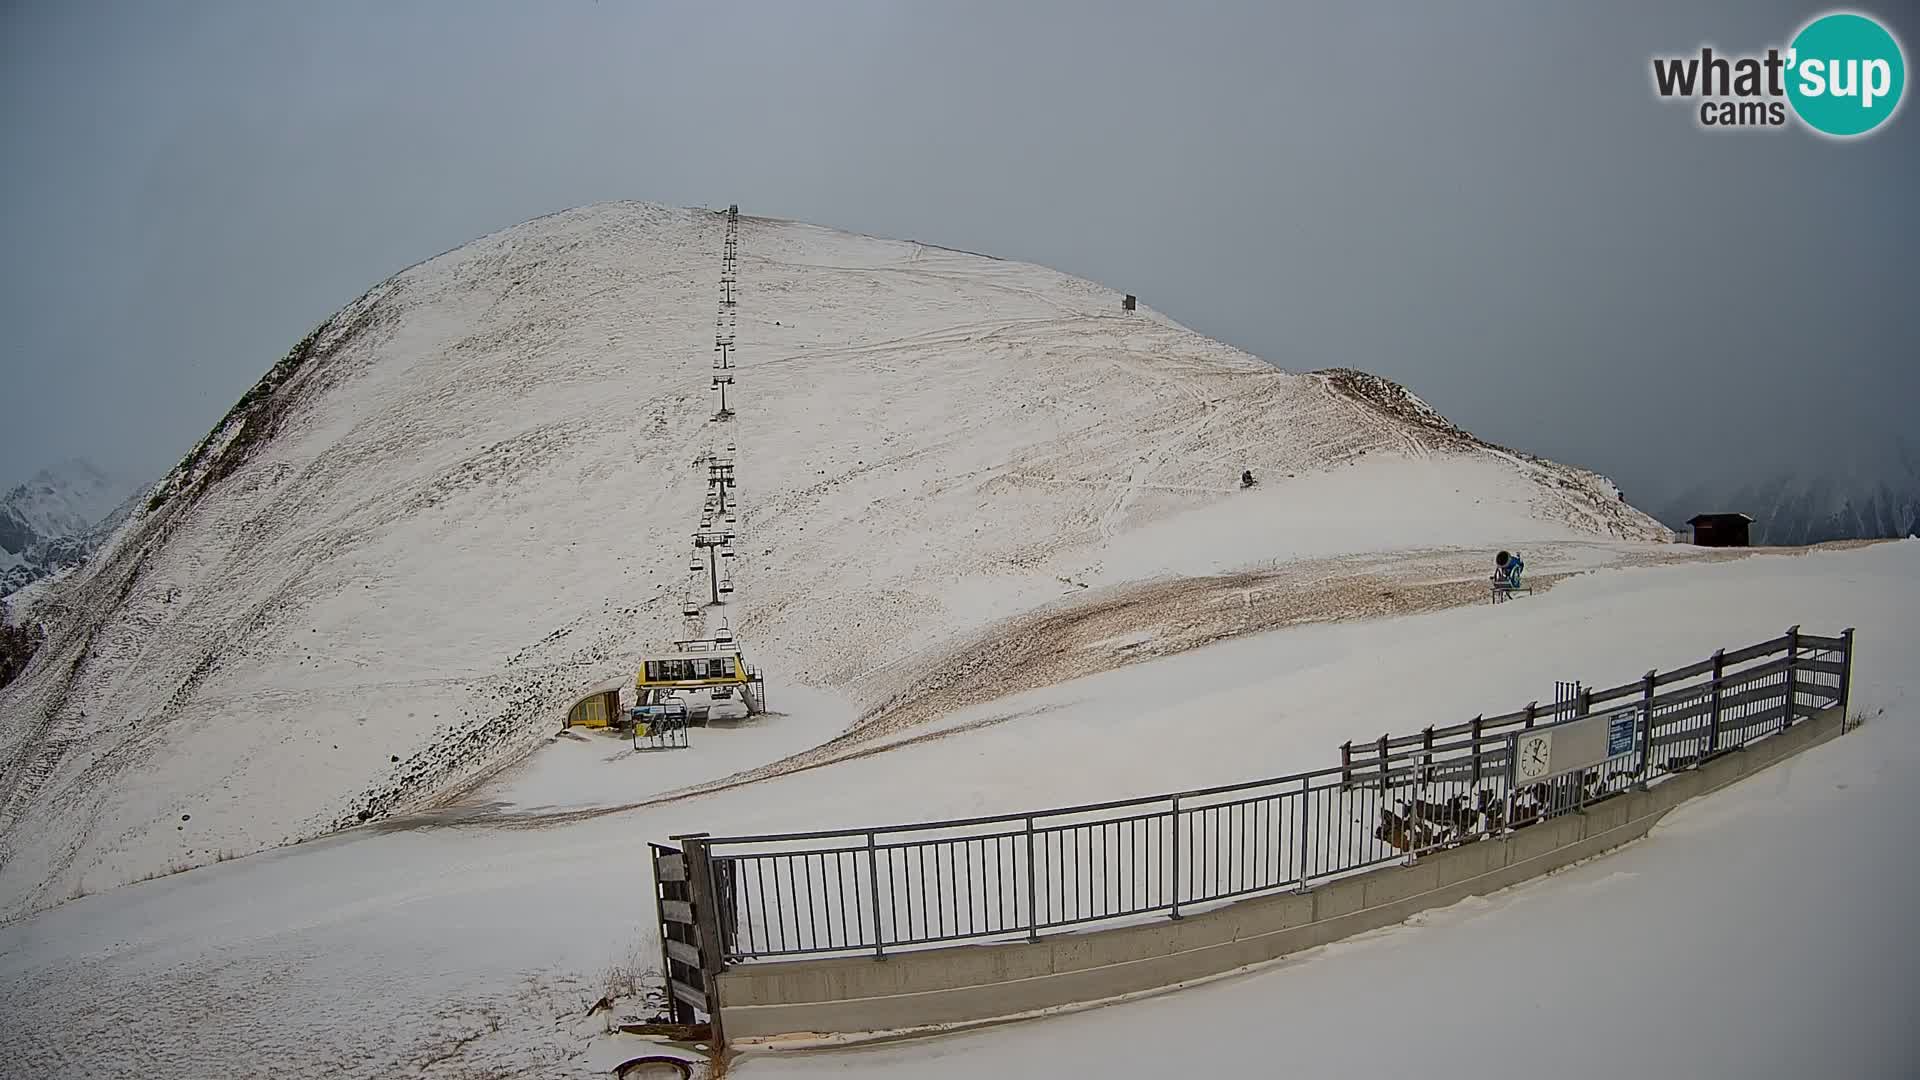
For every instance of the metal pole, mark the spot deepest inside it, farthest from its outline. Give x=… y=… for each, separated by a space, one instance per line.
x=1513 y=777
x=1175 y=820
x=1583 y=705
x=1793 y=657
x=1646 y=728
x=1033 y=908
x=873 y=881
x=1713 y=727
x=1420 y=793
x=713 y=573
x=1306 y=792
x=1846 y=676
x=1476 y=748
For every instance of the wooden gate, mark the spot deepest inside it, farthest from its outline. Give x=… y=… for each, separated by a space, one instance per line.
x=687 y=892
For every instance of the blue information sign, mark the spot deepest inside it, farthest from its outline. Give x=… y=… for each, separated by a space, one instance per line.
x=1620 y=732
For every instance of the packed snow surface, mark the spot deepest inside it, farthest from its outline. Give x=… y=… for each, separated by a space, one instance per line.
x=464 y=501
x=1763 y=931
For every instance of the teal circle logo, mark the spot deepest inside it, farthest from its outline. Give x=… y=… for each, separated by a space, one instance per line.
x=1845 y=74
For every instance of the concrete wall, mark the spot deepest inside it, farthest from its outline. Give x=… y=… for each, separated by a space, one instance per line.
x=970 y=984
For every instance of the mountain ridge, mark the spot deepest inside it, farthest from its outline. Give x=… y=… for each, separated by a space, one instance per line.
x=464 y=499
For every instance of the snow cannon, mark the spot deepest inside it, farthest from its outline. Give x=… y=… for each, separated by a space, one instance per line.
x=1506 y=577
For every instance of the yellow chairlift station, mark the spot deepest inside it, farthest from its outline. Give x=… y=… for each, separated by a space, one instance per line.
x=690 y=670
x=698 y=665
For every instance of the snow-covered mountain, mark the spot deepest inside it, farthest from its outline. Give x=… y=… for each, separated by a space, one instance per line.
x=464 y=500
x=56 y=518
x=1862 y=498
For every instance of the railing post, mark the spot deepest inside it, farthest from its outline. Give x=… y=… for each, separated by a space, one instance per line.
x=1476 y=748
x=1793 y=657
x=1513 y=778
x=1417 y=778
x=1713 y=726
x=1033 y=910
x=1385 y=776
x=1846 y=676
x=1646 y=727
x=1346 y=765
x=873 y=881
x=1306 y=791
x=1426 y=750
x=1582 y=706
x=1175 y=820
x=1532 y=706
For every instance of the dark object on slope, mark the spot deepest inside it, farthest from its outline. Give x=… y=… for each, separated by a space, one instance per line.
x=17 y=646
x=1246 y=478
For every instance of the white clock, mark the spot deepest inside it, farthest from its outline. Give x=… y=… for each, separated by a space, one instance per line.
x=1534 y=756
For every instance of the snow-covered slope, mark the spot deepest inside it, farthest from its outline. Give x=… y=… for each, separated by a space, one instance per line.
x=465 y=499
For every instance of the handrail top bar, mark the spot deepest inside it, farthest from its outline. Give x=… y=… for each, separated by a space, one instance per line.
x=1023 y=815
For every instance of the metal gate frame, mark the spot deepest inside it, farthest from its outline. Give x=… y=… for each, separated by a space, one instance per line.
x=663 y=733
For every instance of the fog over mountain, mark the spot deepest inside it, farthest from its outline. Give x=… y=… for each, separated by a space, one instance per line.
x=1838 y=498
x=1536 y=245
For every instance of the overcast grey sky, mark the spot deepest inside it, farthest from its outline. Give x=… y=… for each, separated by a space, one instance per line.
x=1482 y=200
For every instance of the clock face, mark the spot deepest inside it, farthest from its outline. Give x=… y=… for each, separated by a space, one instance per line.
x=1535 y=756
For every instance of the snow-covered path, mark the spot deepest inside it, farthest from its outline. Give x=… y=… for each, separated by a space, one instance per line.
x=444 y=951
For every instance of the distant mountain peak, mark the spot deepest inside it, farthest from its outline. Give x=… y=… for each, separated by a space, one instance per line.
x=51 y=521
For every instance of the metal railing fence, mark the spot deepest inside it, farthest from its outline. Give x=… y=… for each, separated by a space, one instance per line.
x=1020 y=875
